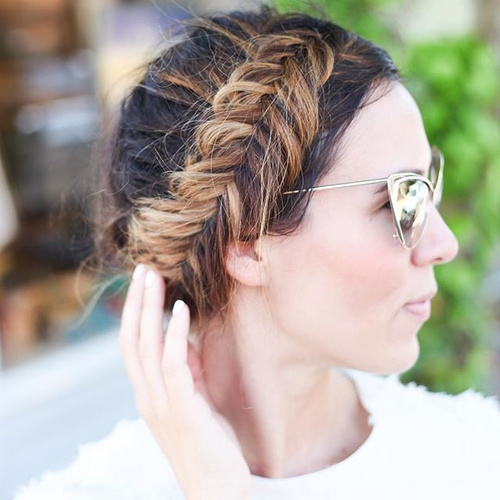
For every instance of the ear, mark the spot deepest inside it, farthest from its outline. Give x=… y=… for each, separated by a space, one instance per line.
x=245 y=264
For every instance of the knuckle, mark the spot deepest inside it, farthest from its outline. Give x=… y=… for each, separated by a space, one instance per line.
x=144 y=353
x=170 y=369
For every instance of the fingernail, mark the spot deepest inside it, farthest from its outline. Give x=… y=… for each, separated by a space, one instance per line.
x=150 y=277
x=138 y=271
x=178 y=305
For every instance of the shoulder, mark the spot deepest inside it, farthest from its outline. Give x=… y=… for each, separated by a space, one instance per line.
x=126 y=464
x=465 y=422
x=389 y=392
x=451 y=443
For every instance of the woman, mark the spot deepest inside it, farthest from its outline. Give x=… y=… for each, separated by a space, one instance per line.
x=273 y=183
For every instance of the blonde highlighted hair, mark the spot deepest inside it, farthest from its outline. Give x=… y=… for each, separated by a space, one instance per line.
x=242 y=107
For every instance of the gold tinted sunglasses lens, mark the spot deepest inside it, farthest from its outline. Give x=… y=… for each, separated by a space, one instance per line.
x=410 y=209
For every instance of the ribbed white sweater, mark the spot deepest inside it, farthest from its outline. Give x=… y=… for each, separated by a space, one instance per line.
x=423 y=446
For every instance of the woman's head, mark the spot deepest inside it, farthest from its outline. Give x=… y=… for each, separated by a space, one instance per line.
x=241 y=108
x=341 y=284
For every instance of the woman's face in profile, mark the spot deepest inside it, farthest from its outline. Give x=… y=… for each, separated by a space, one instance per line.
x=341 y=282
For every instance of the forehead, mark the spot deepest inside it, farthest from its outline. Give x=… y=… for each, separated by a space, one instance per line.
x=387 y=136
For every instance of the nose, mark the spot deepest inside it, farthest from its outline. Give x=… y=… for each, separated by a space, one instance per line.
x=438 y=244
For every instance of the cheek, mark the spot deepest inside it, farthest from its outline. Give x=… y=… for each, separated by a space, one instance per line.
x=338 y=269
x=360 y=290
x=358 y=249
x=358 y=263
x=337 y=288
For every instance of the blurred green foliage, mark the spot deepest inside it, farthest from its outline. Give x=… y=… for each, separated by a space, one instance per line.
x=365 y=17
x=456 y=83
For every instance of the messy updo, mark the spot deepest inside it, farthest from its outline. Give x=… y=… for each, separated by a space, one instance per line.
x=239 y=108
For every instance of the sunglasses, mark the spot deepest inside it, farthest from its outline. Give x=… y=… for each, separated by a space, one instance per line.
x=409 y=196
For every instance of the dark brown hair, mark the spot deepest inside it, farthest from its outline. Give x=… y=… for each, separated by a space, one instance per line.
x=238 y=108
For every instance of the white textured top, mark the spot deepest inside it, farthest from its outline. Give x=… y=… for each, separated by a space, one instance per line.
x=423 y=445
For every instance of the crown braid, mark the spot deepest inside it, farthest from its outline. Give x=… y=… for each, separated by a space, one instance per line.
x=245 y=120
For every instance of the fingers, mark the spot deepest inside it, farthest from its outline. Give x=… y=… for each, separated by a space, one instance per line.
x=151 y=338
x=157 y=365
x=176 y=372
x=128 y=337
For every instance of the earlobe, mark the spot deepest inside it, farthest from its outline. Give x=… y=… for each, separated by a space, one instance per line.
x=245 y=263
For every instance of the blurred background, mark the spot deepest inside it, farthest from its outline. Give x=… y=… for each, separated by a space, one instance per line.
x=66 y=63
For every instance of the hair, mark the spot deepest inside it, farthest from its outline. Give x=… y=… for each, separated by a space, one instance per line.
x=238 y=108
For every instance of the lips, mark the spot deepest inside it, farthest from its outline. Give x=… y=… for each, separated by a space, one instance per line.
x=421 y=307
x=423 y=298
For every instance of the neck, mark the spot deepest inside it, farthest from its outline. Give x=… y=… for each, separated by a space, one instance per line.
x=290 y=416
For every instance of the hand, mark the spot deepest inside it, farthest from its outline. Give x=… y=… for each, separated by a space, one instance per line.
x=199 y=444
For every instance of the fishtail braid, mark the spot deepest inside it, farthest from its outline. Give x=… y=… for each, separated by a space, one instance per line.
x=253 y=113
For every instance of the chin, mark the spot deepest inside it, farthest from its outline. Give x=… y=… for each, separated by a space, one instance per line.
x=405 y=359
x=400 y=360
